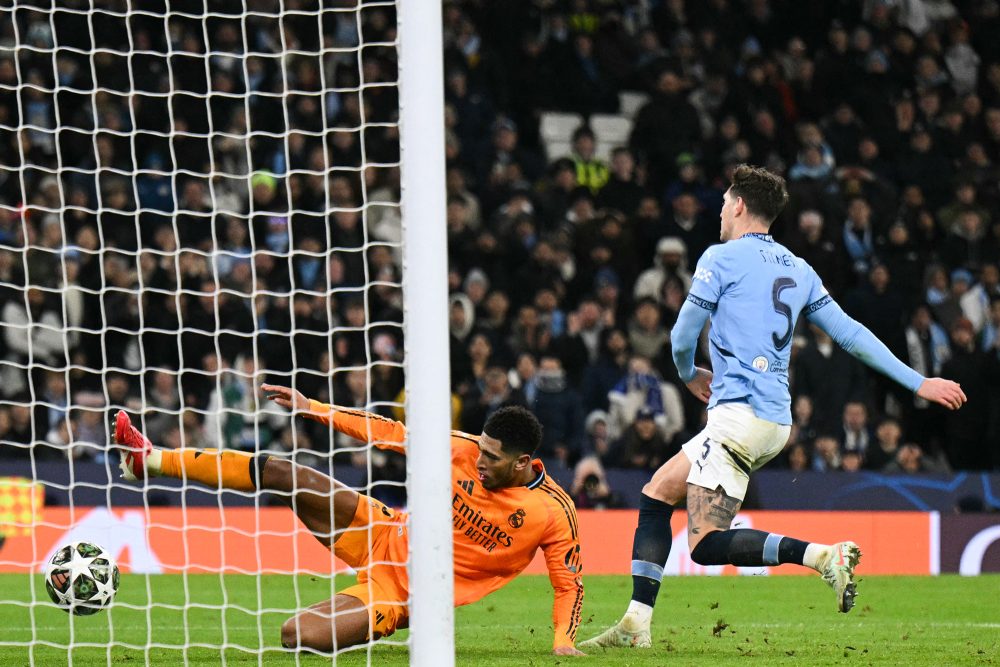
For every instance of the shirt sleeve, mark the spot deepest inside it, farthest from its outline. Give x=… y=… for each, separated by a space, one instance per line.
x=561 y=547
x=818 y=296
x=684 y=337
x=368 y=427
x=860 y=342
x=708 y=281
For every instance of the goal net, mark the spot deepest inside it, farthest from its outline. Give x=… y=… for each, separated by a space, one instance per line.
x=196 y=198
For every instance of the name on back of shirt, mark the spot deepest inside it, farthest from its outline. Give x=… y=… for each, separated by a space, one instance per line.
x=773 y=258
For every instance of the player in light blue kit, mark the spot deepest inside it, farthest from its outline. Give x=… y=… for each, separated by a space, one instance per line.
x=753 y=291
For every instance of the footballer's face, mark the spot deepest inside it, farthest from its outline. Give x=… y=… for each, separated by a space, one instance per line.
x=498 y=469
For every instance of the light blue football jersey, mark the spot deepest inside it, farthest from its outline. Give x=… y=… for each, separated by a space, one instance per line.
x=755 y=289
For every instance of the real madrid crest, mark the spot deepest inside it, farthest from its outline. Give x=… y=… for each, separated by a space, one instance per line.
x=516 y=520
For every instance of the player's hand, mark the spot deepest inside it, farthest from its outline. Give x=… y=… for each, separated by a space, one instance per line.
x=943 y=392
x=287 y=397
x=701 y=384
x=567 y=650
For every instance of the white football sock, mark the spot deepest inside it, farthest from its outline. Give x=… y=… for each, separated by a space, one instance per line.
x=815 y=554
x=153 y=461
x=637 y=616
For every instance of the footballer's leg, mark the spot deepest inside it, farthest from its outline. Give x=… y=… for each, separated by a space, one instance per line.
x=317 y=499
x=650 y=550
x=712 y=542
x=355 y=615
x=327 y=626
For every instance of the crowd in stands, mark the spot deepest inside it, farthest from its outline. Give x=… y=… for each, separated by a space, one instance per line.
x=197 y=204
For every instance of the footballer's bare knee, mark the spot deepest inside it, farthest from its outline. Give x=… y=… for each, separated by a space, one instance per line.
x=307 y=632
x=669 y=482
x=319 y=628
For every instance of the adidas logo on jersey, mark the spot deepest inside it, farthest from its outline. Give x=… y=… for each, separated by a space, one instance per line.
x=467 y=485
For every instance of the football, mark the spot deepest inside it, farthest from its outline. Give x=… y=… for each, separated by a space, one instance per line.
x=81 y=578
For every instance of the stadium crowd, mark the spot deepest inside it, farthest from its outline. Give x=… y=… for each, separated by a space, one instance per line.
x=199 y=202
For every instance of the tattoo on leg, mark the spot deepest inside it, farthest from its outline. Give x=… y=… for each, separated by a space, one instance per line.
x=710 y=510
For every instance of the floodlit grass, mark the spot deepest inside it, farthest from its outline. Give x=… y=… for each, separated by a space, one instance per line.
x=913 y=621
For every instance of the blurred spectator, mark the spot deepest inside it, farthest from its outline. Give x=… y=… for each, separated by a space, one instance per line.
x=591 y=172
x=642 y=445
x=689 y=225
x=910 y=459
x=647 y=336
x=622 y=190
x=803 y=419
x=642 y=389
x=977 y=372
x=560 y=410
x=826 y=454
x=590 y=489
x=855 y=432
x=600 y=377
x=488 y=396
x=670 y=262
x=797 y=455
x=851 y=462
x=829 y=377
x=813 y=246
x=237 y=417
x=888 y=437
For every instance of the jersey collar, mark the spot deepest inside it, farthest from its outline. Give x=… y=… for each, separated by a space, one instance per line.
x=537 y=466
x=762 y=237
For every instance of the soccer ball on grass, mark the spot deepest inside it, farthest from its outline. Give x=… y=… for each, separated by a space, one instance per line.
x=81 y=578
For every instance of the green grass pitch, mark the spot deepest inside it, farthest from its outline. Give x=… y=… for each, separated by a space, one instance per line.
x=909 y=621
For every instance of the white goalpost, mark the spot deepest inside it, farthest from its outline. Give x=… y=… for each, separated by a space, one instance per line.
x=428 y=390
x=195 y=198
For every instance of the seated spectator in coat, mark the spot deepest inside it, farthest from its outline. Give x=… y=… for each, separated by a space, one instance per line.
x=813 y=245
x=803 y=419
x=826 y=454
x=590 y=489
x=851 y=462
x=829 y=377
x=990 y=335
x=600 y=377
x=646 y=334
x=859 y=239
x=643 y=388
x=969 y=244
x=598 y=444
x=560 y=410
x=910 y=460
x=855 y=433
x=591 y=172
x=797 y=457
x=642 y=446
x=888 y=436
x=978 y=373
x=670 y=261
x=621 y=192
x=488 y=396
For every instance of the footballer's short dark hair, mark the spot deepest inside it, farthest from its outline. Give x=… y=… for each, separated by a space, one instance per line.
x=517 y=429
x=763 y=192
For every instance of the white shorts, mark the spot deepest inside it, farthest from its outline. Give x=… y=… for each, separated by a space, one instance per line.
x=734 y=443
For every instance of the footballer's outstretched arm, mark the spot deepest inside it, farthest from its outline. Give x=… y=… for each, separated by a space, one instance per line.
x=562 y=558
x=367 y=427
x=856 y=339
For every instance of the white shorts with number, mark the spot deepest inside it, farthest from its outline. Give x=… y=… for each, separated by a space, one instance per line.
x=734 y=443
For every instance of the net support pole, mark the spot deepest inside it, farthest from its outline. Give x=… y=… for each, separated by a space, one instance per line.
x=425 y=305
